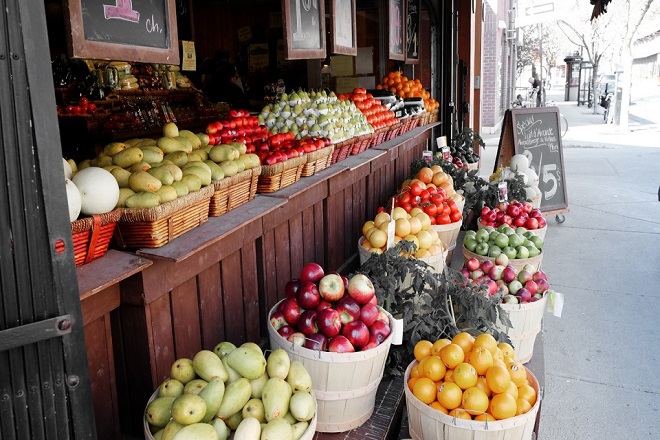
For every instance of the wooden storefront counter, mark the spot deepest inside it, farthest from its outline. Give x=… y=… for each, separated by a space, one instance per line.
x=98 y=284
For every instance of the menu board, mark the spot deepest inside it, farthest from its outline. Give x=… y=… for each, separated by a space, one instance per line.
x=344 y=35
x=535 y=133
x=304 y=28
x=126 y=30
x=412 y=31
x=396 y=30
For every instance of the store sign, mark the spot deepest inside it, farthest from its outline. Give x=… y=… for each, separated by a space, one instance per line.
x=123 y=30
x=535 y=133
x=304 y=28
x=412 y=31
x=396 y=30
x=536 y=11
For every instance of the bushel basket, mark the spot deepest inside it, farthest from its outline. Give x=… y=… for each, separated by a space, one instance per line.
x=91 y=236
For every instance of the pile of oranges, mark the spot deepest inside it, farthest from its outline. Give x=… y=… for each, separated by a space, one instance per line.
x=471 y=378
x=397 y=83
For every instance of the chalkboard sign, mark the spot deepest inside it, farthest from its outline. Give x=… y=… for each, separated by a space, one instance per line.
x=535 y=132
x=304 y=29
x=412 y=31
x=343 y=27
x=126 y=30
x=397 y=30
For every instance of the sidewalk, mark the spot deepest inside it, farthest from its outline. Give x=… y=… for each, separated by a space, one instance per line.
x=601 y=356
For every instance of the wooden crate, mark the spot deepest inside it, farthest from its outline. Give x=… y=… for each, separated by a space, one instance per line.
x=280 y=175
x=91 y=236
x=317 y=161
x=155 y=227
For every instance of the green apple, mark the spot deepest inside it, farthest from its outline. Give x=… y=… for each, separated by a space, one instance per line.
x=533 y=252
x=481 y=249
x=538 y=241
x=528 y=243
x=510 y=252
x=502 y=240
x=470 y=244
x=520 y=230
x=470 y=234
x=516 y=240
x=522 y=252
x=501 y=228
x=492 y=234
x=482 y=236
x=494 y=251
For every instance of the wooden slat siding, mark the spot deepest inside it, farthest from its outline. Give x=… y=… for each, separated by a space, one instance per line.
x=96 y=306
x=159 y=318
x=254 y=324
x=319 y=227
x=282 y=258
x=359 y=217
x=267 y=273
x=185 y=314
x=211 y=307
x=296 y=234
x=98 y=340
x=232 y=290
x=309 y=239
x=334 y=221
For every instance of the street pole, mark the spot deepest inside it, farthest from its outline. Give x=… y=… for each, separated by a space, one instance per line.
x=542 y=90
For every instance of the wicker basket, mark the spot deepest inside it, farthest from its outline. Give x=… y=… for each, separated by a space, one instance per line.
x=344 y=384
x=280 y=175
x=426 y=423
x=393 y=131
x=379 y=137
x=232 y=192
x=91 y=236
x=342 y=150
x=317 y=161
x=361 y=144
x=155 y=227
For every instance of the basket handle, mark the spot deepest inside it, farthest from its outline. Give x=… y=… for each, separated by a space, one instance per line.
x=96 y=227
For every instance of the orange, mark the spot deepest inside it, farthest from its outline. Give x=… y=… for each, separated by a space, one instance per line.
x=422 y=349
x=464 y=340
x=497 y=380
x=425 y=175
x=481 y=383
x=499 y=354
x=437 y=345
x=486 y=340
x=460 y=413
x=414 y=371
x=436 y=405
x=503 y=406
x=475 y=401
x=411 y=382
x=465 y=375
x=487 y=417
x=513 y=390
x=481 y=360
x=507 y=349
x=517 y=372
x=434 y=369
x=449 y=376
x=450 y=395
x=528 y=393
x=522 y=406
x=452 y=355
x=424 y=389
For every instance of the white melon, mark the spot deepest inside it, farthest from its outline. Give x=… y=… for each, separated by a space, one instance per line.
x=73 y=199
x=99 y=190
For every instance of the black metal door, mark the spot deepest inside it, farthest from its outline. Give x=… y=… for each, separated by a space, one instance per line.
x=45 y=390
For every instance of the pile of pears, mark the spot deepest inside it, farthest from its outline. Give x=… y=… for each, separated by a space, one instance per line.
x=151 y=172
x=233 y=389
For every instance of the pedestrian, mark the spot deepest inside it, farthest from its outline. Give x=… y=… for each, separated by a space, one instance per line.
x=536 y=89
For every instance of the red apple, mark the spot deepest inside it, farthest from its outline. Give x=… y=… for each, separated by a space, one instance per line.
x=331 y=287
x=369 y=313
x=475 y=274
x=373 y=343
x=323 y=304
x=472 y=264
x=316 y=341
x=373 y=300
x=509 y=274
x=357 y=333
x=465 y=272
x=495 y=272
x=291 y=310
x=311 y=273
x=328 y=322
x=285 y=331
x=510 y=299
x=486 y=266
x=542 y=223
x=532 y=287
x=536 y=213
x=523 y=295
x=382 y=316
x=308 y=296
x=277 y=320
x=361 y=289
x=307 y=322
x=542 y=285
x=532 y=223
x=291 y=287
x=348 y=308
x=297 y=338
x=339 y=344
x=524 y=276
x=519 y=221
x=540 y=275
x=381 y=330
x=527 y=207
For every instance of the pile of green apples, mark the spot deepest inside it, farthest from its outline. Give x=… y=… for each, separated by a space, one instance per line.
x=516 y=243
x=233 y=390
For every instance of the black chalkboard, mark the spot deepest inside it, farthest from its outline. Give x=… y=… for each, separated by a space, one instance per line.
x=412 y=31
x=304 y=28
x=396 y=29
x=126 y=30
x=535 y=132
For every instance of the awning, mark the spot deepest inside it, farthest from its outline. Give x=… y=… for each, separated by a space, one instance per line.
x=600 y=7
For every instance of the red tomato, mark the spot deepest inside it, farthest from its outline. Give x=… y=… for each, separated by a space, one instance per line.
x=404 y=198
x=452 y=205
x=446 y=210
x=433 y=221
x=415 y=189
x=437 y=199
x=407 y=206
x=431 y=210
x=455 y=216
x=425 y=195
x=443 y=219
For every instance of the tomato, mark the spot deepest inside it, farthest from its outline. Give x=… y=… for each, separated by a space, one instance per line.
x=380 y=209
x=425 y=195
x=91 y=107
x=84 y=101
x=443 y=219
x=404 y=198
x=433 y=221
x=437 y=199
x=431 y=210
x=446 y=210
x=455 y=216
x=416 y=189
x=407 y=206
x=69 y=109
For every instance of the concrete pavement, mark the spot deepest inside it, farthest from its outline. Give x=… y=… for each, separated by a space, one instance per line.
x=602 y=355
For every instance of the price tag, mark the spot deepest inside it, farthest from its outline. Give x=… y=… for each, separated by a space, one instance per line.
x=441 y=141
x=555 y=303
x=427 y=155
x=503 y=192
x=397 y=331
x=446 y=153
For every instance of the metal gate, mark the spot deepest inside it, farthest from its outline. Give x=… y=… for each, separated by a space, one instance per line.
x=45 y=390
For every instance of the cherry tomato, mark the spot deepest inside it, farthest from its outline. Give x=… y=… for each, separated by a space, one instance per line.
x=84 y=101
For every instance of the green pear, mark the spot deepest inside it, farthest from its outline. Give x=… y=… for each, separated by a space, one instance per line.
x=276 y=396
x=197 y=431
x=208 y=366
x=233 y=374
x=195 y=386
x=299 y=429
x=302 y=406
x=299 y=378
x=159 y=411
x=171 y=429
x=212 y=395
x=188 y=409
x=252 y=346
x=254 y=408
x=258 y=385
x=223 y=349
x=289 y=418
x=278 y=364
x=234 y=420
x=277 y=429
x=237 y=394
x=221 y=428
x=158 y=435
x=247 y=362
x=248 y=429
x=170 y=388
